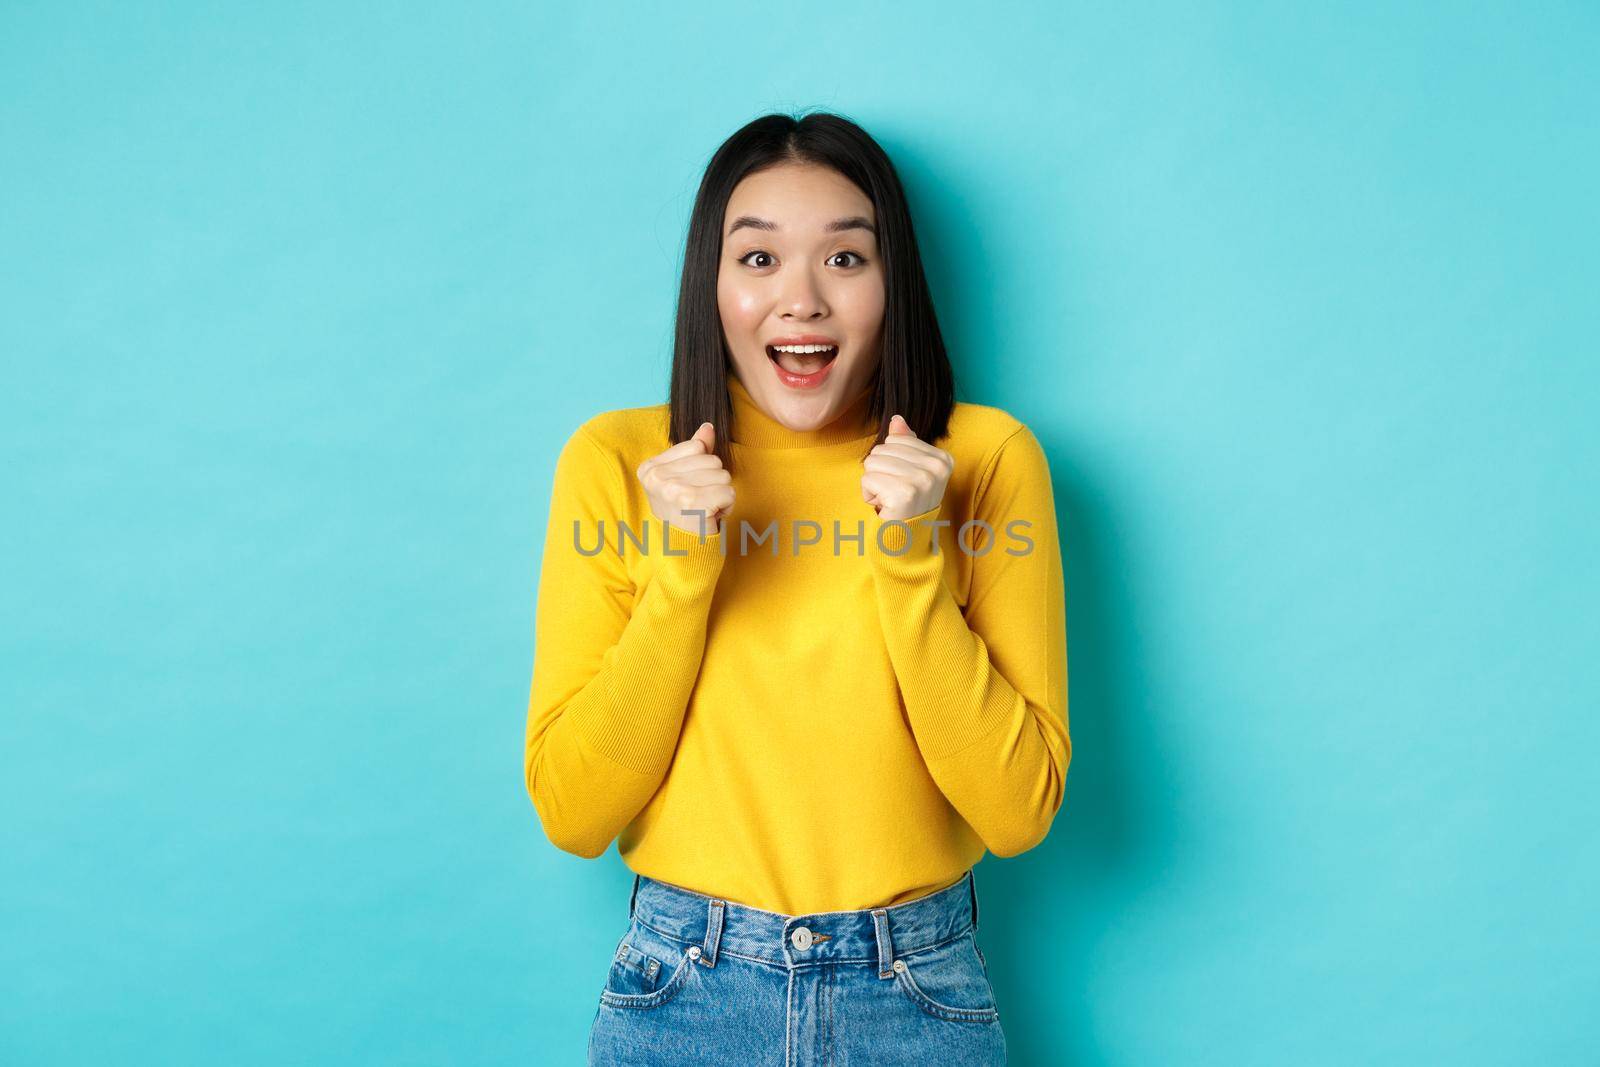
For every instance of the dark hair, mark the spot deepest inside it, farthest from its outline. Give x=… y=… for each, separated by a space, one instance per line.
x=914 y=378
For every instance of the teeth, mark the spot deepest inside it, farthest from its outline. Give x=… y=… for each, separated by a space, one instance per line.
x=803 y=359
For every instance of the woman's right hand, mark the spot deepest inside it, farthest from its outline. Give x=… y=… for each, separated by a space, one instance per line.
x=688 y=485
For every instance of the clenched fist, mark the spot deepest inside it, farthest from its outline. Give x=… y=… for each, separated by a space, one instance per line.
x=905 y=475
x=687 y=484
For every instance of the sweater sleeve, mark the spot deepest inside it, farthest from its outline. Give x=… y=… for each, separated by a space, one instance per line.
x=986 y=690
x=613 y=666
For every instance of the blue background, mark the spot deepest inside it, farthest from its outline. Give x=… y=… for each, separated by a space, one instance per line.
x=300 y=301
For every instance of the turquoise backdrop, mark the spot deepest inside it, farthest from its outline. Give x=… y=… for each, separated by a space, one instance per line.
x=298 y=302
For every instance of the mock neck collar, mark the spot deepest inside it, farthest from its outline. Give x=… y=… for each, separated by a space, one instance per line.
x=754 y=428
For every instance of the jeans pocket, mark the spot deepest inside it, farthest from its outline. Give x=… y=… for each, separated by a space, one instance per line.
x=647 y=969
x=950 y=981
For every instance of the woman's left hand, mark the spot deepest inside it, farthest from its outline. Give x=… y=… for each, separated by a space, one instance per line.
x=905 y=475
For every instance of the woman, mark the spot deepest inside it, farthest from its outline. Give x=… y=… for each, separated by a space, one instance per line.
x=840 y=679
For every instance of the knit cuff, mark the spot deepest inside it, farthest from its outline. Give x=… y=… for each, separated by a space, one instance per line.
x=689 y=561
x=906 y=545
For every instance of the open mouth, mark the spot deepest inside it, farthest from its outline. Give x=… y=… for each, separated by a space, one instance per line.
x=802 y=359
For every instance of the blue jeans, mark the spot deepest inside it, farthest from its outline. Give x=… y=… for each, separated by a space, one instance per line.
x=701 y=981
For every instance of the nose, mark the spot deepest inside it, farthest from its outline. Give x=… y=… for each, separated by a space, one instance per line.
x=802 y=298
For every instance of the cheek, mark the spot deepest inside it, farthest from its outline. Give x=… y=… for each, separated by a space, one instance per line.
x=739 y=305
x=863 y=307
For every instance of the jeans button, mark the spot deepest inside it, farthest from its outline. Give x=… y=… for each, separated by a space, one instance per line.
x=801 y=937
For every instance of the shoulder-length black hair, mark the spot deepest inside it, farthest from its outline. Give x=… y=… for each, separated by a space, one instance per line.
x=914 y=377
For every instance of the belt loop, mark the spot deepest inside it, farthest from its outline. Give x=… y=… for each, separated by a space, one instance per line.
x=714 y=916
x=972 y=886
x=633 y=897
x=880 y=926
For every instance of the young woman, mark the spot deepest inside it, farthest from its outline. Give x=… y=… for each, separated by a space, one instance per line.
x=801 y=641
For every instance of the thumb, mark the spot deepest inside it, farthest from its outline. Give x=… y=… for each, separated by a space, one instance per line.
x=898 y=424
x=707 y=436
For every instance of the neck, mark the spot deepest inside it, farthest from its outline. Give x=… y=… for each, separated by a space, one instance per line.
x=754 y=428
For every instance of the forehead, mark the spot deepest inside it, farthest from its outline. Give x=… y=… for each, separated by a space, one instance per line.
x=797 y=199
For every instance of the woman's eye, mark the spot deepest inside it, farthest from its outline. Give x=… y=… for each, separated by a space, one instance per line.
x=745 y=259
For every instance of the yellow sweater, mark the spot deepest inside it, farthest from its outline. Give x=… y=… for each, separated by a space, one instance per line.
x=809 y=722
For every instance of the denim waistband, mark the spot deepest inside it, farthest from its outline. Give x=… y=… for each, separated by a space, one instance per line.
x=816 y=937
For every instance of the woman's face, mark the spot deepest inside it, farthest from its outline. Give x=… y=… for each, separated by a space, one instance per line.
x=800 y=260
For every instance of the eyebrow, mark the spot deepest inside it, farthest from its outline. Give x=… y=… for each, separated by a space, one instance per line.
x=849 y=222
